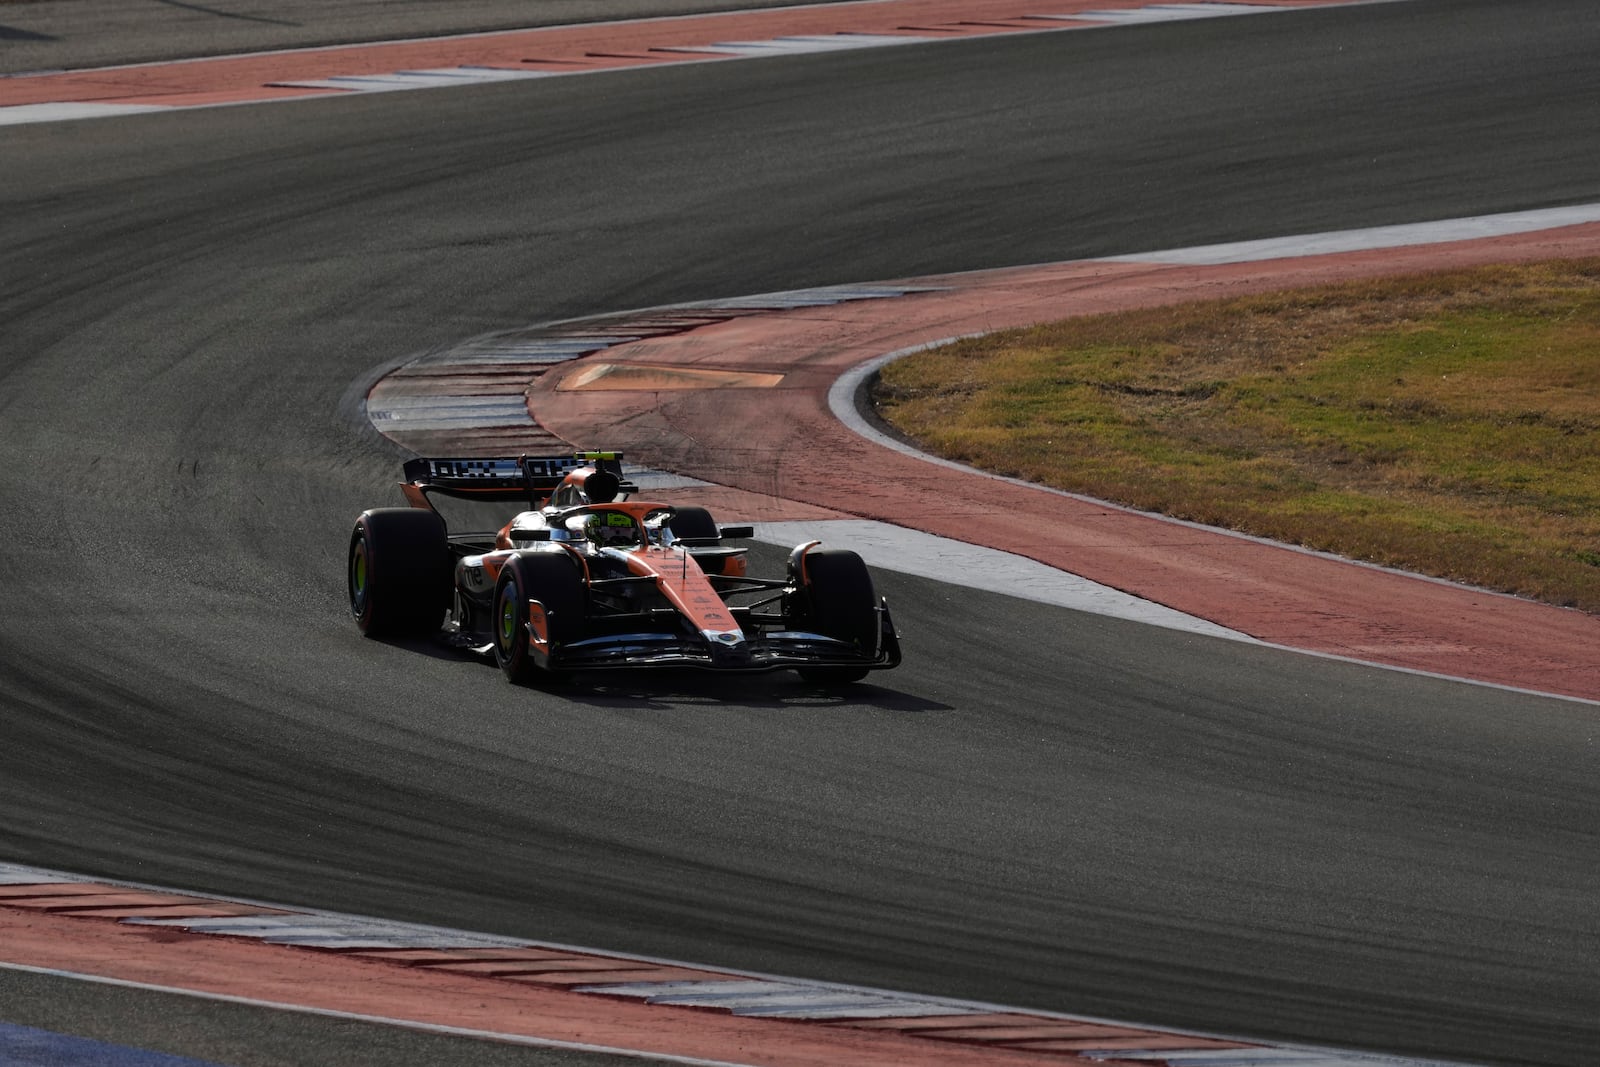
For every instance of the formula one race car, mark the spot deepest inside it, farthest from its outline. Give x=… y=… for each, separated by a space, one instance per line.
x=587 y=577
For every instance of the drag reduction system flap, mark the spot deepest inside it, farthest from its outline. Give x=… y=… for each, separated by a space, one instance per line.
x=507 y=478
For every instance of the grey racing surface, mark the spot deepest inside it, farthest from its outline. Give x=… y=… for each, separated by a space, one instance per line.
x=1040 y=808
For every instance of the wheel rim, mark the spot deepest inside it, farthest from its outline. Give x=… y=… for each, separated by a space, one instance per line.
x=358 y=579
x=508 y=618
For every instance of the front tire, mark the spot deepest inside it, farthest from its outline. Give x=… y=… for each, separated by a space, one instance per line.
x=839 y=601
x=550 y=578
x=399 y=572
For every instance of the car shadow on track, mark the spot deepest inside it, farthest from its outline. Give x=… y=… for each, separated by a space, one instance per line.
x=669 y=688
x=431 y=647
x=673 y=687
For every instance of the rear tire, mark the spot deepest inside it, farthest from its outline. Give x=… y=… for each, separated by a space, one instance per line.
x=399 y=572
x=552 y=579
x=693 y=522
x=839 y=601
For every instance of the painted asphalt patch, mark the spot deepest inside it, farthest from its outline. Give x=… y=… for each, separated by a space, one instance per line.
x=24 y=1046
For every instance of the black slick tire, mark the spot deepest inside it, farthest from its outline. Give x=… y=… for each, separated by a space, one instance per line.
x=399 y=572
x=839 y=601
x=552 y=579
x=693 y=522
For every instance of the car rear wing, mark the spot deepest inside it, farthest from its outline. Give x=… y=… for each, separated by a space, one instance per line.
x=517 y=478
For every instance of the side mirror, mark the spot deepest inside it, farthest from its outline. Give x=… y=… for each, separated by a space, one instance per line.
x=737 y=531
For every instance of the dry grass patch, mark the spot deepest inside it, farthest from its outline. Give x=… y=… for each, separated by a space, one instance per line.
x=1443 y=423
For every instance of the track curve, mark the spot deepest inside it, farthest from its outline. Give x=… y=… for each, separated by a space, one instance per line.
x=1050 y=810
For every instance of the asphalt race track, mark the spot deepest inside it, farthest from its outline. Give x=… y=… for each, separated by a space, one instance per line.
x=1039 y=808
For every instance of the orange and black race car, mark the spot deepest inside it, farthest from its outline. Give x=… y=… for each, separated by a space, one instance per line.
x=586 y=577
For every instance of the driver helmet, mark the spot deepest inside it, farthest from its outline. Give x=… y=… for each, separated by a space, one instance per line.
x=610 y=528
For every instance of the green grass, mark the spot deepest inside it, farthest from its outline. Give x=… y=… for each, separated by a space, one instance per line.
x=1446 y=423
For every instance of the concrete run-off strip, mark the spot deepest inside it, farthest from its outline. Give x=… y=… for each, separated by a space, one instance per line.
x=504 y=989
x=480 y=59
x=793 y=449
